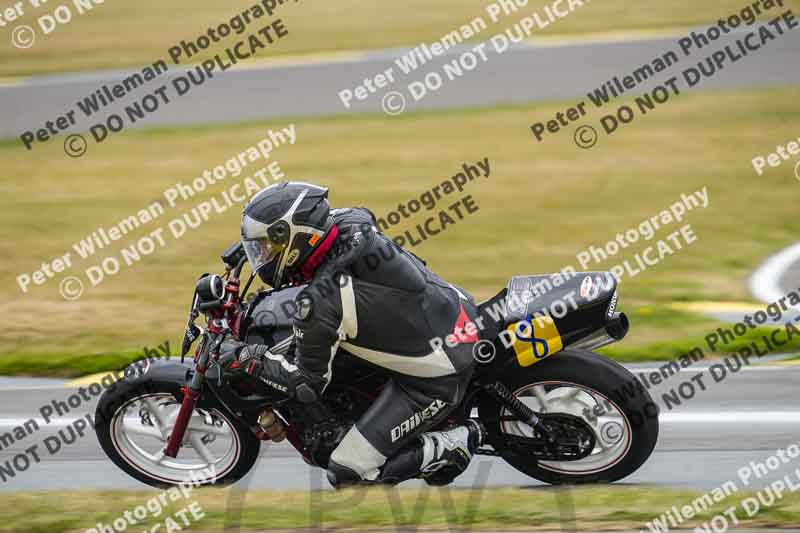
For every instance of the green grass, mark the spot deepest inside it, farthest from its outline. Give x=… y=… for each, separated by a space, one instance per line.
x=540 y=509
x=119 y=34
x=664 y=318
x=674 y=348
x=542 y=204
x=66 y=365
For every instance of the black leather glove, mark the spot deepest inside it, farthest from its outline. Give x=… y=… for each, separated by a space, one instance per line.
x=238 y=358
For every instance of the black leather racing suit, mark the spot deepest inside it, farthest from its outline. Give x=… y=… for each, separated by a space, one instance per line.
x=382 y=304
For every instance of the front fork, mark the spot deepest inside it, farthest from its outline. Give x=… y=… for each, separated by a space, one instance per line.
x=190 y=396
x=191 y=393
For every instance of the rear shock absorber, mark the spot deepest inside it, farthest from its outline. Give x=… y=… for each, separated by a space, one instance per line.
x=517 y=408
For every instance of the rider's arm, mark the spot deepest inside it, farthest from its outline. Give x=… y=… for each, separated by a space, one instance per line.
x=317 y=325
x=317 y=321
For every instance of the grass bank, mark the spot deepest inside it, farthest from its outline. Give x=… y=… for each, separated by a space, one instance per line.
x=541 y=205
x=535 y=509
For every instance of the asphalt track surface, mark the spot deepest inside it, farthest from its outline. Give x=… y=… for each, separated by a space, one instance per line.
x=702 y=444
x=527 y=72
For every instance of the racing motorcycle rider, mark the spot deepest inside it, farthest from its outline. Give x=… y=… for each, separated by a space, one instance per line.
x=379 y=303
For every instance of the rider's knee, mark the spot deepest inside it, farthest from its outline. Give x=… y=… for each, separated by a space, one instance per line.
x=355 y=460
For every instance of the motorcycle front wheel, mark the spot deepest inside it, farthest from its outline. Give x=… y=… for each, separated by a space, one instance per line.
x=134 y=421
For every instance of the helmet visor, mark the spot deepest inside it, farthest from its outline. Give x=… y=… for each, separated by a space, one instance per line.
x=261 y=252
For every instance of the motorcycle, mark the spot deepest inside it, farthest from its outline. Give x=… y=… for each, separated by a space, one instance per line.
x=552 y=408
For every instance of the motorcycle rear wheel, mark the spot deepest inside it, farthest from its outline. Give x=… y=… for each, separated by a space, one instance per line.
x=584 y=384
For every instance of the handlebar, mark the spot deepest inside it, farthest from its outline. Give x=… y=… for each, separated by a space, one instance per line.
x=238 y=270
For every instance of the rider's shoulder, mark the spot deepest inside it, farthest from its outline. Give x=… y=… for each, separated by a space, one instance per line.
x=304 y=305
x=319 y=297
x=353 y=242
x=312 y=303
x=353 y=216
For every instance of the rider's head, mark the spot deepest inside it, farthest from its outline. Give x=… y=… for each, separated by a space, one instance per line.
x=287 y=229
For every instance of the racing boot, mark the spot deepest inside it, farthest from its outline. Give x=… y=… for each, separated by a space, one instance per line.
x=447 y=454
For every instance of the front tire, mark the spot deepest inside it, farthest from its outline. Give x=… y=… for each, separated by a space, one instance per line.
x=133 y=422
x=581 y=383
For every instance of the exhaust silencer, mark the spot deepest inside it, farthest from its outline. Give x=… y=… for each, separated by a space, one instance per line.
x=615 y=330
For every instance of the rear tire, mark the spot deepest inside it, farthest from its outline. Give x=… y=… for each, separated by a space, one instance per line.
x=578 y=381
x=117 y=408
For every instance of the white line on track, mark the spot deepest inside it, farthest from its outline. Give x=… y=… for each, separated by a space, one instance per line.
x=18 y=420
x=732 y=417
x=764 y=283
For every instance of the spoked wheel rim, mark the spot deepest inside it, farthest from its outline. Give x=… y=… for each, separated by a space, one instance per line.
x=141 y=427
x=610 y=425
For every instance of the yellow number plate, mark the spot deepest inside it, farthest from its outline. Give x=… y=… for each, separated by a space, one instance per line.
x=535 y=339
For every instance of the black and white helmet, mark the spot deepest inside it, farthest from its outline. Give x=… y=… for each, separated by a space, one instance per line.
x=282 y=226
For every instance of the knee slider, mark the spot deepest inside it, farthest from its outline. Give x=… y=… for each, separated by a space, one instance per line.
x=340 y=476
